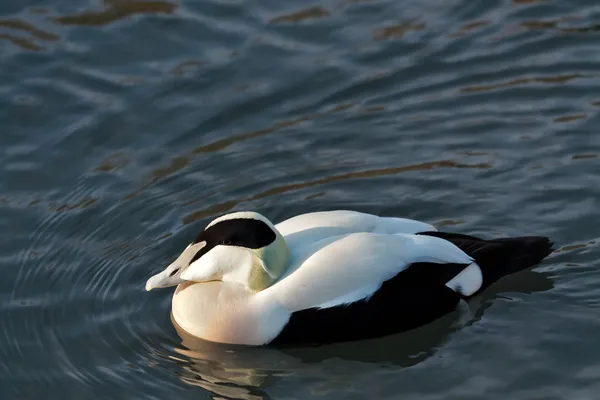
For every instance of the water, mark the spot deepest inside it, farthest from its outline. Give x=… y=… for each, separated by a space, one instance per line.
x=128 y=125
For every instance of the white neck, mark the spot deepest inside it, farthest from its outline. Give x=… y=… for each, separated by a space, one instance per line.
x=255 y=269
x=272 y=262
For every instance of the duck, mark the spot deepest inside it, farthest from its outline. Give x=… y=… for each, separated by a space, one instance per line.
x=330 y=276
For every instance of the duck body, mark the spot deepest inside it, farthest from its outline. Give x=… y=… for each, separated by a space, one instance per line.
x=346 y=276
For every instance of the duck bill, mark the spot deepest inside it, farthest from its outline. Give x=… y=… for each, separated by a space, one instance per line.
x=167 y=278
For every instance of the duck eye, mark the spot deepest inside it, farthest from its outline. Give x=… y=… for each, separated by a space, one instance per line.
x=173 y=272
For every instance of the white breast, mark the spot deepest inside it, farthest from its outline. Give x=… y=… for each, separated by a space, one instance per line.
x=226 y=313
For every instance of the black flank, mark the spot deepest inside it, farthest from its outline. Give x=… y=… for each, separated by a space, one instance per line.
x=500 y=257
x=395 y=307
x=416 y=296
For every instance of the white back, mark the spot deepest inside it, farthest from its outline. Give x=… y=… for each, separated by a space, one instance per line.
x=352 y=267
x=350 y=222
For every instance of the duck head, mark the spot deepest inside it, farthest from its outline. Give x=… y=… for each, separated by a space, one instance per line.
x=242 y=247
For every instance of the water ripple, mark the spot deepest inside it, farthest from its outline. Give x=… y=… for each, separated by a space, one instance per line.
x=116 y=10
x=128 y=124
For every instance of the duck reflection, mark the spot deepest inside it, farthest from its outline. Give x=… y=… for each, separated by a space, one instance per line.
x=245 y=372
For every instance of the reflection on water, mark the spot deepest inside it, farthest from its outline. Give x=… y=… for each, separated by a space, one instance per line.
x=569 y=118
x=226 y=206
x=551 y=80
x=26 y=43
x=472 y=26
x=27 y=27
x=125 y=122
x=115 y=10
x=306 y=14
x=187 y=67
x=583 y=156
x=113 y=163
x=245 y=372
x=23 y=43
x=397 y=31
x=180 y=162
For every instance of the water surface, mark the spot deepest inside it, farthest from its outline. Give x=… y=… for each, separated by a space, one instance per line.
x=128 y=125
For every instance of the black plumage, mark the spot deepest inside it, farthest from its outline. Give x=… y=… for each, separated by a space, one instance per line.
x=500 y=257
x=243 y=232
x=414 y=297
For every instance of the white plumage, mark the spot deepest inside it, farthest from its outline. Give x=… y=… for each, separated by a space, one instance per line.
x=247 y=281
x=354 y=266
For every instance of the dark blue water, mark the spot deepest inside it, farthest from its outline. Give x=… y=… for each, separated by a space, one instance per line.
x=128 y=125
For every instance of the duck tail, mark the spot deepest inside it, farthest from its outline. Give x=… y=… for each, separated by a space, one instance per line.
x=522 y=252
x=500 y=257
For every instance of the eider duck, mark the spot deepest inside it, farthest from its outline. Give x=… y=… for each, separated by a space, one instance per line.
x=330 y=276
